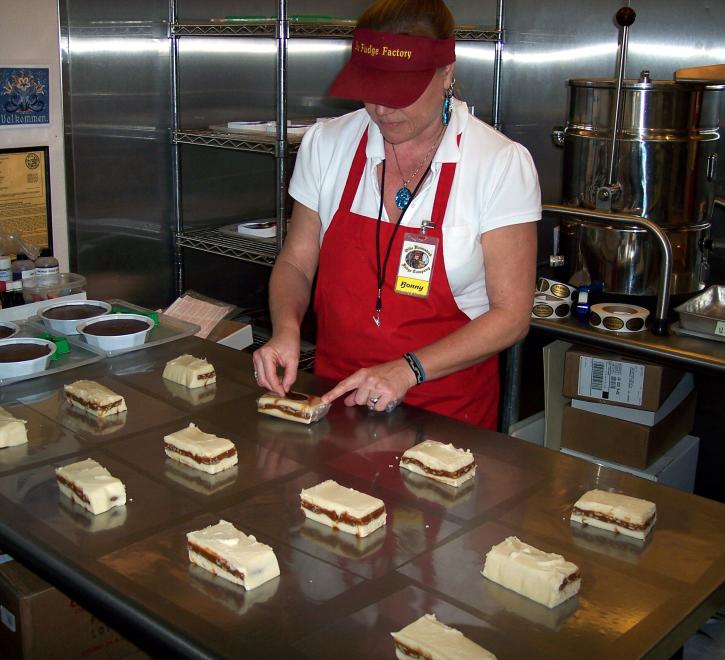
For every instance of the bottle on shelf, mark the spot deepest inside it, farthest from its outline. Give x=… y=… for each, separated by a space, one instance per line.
x=11 y=294
x=6 y=273
x=23 y=268
x=46 y=265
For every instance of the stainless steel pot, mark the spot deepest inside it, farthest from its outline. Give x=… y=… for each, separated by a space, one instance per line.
x=665 y=171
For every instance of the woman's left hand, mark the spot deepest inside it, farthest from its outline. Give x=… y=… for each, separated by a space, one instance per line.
x=381 y=387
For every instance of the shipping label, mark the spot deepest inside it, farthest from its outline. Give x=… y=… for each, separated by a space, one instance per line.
x=611 y=380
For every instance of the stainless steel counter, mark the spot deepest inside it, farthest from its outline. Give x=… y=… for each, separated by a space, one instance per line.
x=338 y=595
x=687 y=351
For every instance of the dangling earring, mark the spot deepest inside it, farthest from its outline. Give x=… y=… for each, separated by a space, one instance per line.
x=447 y=109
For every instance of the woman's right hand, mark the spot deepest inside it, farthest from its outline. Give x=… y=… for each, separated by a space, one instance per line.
x=282 y=351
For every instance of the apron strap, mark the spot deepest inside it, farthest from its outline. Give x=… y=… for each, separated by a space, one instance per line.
x=445 y=182
x=354 y=175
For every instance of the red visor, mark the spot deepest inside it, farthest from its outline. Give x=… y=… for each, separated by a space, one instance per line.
x=391 y=69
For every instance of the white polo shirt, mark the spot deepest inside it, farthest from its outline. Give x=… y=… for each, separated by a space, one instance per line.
x=495 y=185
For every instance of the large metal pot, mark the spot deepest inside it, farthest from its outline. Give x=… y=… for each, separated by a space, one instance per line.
x=666 y=157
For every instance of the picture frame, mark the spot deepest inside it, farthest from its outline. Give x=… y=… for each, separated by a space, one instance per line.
x=25 y=204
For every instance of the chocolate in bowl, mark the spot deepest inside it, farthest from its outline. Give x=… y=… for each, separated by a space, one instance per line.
x=5 y=331
x=74 y=312
x=115 y=327
x=21 y=352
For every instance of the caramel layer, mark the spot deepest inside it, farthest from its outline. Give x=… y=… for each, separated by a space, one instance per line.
x=214 y=558
x=570 y=578
x=93 y=405
x=74 y=487
x=206 y=460
x=344 y=517
x=415 y=654
x=614 y=521
x=440 y=473
x=302 y=414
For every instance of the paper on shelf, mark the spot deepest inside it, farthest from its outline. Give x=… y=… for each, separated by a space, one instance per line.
x=204 y=313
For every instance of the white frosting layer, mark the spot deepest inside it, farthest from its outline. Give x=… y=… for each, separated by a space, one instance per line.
x=330 y=496
x=438 y=456
x=531 y=572
x=429 y=638
x=305 y=411
x=254 y=560
x=12 y=430
x=90 y=392
x=206 y=445
x=615 y=505
x=187 y=370
x=102 y=489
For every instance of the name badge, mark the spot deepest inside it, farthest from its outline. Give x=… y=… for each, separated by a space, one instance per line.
x=415 y=270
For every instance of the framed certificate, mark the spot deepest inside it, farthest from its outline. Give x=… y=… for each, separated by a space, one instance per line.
x=25 y=195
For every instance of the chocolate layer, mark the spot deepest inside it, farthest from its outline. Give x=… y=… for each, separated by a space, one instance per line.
x=615 y=521
x=73 y=312
x=21 y=352
x=115 y=327
x=439 y=473
x=206 y=460
x=343 y=517
x=93 y=405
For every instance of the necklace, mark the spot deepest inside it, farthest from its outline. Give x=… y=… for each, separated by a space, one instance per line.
x=403 y=197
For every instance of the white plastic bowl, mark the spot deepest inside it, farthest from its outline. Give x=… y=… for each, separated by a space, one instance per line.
x=116 y=342
x=10 y=326
x=69 y=326
x=25 y=367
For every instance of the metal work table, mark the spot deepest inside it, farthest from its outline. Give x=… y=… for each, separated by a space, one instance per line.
x=687 y=351
x=337 y=595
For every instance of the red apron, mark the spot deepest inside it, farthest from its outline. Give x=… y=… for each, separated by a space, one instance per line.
x=347 y=337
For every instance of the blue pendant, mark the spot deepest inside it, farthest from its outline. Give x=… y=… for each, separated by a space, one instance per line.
x=403 y=197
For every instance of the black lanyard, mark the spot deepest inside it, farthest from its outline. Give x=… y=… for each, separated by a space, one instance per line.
x=381 y=271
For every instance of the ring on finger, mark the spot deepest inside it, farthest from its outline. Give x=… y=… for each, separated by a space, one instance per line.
x=256 y=375
x=372 y=400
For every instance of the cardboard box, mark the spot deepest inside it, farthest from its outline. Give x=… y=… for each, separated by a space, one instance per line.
x=595 y=375
x=38 y=622
x=676 y=467
x=646 y=417
x=625 y=442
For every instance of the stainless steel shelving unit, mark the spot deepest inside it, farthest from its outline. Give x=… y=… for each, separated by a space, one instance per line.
x=211 y=239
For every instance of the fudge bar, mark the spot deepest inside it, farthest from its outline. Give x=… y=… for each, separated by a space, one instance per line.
x=12 y=430
x=441 y=462
x=203 y=451
x=616 y=513
x=94 y=398
x=223 y=550
x=545 y=577
x=190 y=371
x=92 y=486
x=433 y=640
x=343 y=508
x=297 y=407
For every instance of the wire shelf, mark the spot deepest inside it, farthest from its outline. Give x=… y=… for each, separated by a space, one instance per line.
x=210 y=239
x=258 y=142
x=268 y=28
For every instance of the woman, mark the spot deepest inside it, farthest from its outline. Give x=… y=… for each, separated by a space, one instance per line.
x=420 y=222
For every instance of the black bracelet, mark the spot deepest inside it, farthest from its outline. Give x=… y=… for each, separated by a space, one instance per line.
x=416 y=366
